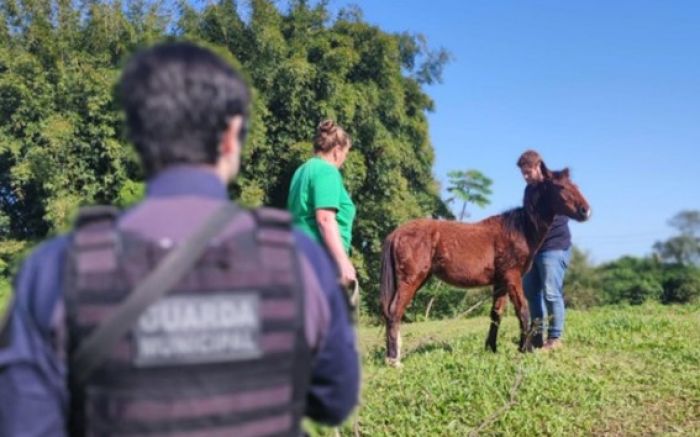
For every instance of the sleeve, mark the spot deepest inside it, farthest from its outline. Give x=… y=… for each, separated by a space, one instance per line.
x=335 y=375
x=33 y=394
x=326 y=188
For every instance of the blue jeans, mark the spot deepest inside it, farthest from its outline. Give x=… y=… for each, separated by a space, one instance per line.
x=544 y=286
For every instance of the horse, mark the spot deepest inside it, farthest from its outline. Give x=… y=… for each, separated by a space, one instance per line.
x=496 y=251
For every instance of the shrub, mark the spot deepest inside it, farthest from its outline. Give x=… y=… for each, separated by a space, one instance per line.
x=631 y=280
x=681 y=284
x=582 y=282
x=447 y=301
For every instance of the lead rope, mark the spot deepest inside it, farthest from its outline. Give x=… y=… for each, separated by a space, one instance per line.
x=512 y=398
x=355 y=300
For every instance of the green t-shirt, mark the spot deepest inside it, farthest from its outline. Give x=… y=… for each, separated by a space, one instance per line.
x=317 y=184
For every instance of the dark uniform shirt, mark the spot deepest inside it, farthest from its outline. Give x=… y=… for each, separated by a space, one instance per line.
x=558 y=237
x=33 y=386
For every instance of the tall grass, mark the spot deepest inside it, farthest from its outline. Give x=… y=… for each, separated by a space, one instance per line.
x=623 y=371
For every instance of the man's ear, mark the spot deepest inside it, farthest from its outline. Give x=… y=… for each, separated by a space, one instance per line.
x=231 y=140
x=229 y=160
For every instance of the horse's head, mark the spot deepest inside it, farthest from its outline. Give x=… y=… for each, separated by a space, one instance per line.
x=560 y=195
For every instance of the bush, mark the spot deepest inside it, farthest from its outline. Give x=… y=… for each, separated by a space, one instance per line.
x=681 y=284
x=4 y=296
x=447 y=301
x=631 y=280
x=11 y=254
x=582 y=282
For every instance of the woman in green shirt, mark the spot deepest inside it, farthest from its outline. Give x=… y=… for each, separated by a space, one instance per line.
x=318 y=200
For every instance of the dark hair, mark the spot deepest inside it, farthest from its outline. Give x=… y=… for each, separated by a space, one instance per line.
x=178 y=100
x=329 y=135
x=529 y=159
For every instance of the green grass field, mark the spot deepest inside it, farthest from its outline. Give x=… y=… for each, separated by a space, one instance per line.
x=623 y=371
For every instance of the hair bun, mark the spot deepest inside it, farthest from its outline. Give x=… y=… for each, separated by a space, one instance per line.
x=327 y=126
x=329 y=135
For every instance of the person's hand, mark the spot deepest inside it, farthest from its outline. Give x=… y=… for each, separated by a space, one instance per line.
x=348 y=275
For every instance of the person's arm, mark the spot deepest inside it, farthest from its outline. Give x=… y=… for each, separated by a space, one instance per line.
x=33 y=393
x=335 y=375
x=330 y=233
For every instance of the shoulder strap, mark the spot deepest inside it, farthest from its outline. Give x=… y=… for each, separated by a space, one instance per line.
x=99 y=213
x=92 y=352
x=96 y=242
x=278 y=249
x=273 y=217
x=274 y=237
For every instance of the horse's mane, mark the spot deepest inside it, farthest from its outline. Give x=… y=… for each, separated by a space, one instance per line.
x=524 y=220
x=515 y=219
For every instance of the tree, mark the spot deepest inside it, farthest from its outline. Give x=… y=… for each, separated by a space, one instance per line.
x=683 y=248
x=469 y=186
x=61 y=132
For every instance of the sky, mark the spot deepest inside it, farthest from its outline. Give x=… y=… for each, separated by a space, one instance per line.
x=609 y=89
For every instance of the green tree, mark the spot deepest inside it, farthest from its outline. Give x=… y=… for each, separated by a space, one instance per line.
x=61 y=133
x=469 y=186
x=683 y=248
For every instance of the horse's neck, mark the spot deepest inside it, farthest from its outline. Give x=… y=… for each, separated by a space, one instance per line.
x=536 y=225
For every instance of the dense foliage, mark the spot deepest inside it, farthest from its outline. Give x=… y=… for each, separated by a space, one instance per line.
x=62 y=142
x=61 y=133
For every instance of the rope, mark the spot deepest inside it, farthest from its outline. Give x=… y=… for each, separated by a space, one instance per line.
x=355 y=299
x=471 y=308
x=512 y=400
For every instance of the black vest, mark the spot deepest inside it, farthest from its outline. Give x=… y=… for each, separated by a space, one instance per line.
x=223 y=354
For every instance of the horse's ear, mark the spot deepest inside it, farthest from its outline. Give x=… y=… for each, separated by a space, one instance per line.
x=565 y=173
x=545 y=171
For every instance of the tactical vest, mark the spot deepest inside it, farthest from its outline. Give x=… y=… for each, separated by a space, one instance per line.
x=223 y=354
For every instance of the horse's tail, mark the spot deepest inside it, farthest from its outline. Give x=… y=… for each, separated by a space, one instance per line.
x=387 y=288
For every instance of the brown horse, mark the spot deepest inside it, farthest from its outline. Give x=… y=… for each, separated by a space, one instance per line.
x=496 y=251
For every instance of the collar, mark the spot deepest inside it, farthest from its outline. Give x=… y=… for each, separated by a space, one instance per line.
x=184 y=180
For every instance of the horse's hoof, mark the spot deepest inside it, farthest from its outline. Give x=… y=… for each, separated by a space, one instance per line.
x=537 y=341
x=525 y=346
x=393 y=362
x=491 y=347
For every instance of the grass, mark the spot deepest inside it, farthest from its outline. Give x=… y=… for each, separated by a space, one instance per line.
x=623 y=371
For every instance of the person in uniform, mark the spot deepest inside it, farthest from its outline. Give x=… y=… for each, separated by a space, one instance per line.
x=250 y=338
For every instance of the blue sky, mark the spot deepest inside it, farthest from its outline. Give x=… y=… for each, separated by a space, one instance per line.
x=610 y=89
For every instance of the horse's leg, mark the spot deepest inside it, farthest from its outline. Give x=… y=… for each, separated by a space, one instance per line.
x=393 y=342
x=405 y=293
x=392 y=318
x=499 y=304
x=517 y=296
